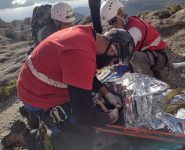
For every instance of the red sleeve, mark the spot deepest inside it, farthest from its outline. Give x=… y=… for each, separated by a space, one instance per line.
x=78 y=69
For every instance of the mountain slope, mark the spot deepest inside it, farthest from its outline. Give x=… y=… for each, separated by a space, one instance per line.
x=82 y=10
x=135 y=6
x=78 y=17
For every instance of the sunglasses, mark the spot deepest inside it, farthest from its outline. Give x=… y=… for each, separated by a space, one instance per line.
x=70 y=14
x=113 y=21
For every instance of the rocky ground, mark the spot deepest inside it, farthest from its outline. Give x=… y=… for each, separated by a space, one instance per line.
x=13 y=54
x=11 y=58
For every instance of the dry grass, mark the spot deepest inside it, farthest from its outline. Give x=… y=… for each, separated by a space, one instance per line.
x=9 y=88
x=11 y=59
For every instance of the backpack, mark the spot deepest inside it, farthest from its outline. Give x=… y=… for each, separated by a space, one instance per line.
x=41 y=16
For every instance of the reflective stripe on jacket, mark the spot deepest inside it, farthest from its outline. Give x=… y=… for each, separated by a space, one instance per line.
x=150 y=38
x=42 y=77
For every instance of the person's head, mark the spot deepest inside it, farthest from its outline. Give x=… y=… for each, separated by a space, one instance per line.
x=113 y=46
x=63 y=15
x=111 y=13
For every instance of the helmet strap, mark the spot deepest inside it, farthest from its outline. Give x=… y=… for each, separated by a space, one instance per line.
x=125 y=20
x=124 y=53
x=108 y=47
x=122 y=19
x=118 y=52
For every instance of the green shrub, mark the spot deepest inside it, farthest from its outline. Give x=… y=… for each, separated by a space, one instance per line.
x=173 y=8
x=9 y=89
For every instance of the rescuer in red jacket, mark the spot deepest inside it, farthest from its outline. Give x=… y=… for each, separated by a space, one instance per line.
x=56 y=82
x=149 y=55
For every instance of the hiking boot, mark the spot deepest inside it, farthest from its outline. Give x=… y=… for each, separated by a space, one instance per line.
x=32 y=120
x=17 y=135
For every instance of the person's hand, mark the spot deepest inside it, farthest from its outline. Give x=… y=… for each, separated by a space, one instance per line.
x=114 y=99
x=113 y=115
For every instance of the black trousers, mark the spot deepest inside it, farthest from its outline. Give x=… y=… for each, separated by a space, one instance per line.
x=65 y=135
x=73 y=137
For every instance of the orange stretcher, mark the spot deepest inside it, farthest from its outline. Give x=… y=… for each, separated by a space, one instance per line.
x=143 y=133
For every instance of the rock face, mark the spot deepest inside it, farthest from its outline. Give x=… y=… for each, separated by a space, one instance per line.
x=135 y=6
x=15 y=31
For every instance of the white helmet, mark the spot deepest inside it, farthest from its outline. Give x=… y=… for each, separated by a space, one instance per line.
x=109 y=9
x=62 y=12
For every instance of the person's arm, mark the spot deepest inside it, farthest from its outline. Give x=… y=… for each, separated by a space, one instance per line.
x=112 y=98
x=99 y=87
x=79 y=77
x=85 y=111
x=94 y=6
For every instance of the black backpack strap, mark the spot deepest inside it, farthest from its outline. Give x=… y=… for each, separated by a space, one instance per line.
x=94 y=6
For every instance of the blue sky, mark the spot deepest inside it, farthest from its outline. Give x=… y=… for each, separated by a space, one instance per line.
x=20 y=9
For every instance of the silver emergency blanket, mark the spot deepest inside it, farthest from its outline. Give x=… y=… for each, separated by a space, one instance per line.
x=181 y=114
x=143 y=98
x=172 y=123
x=178 y=98
x=144 y=102
x=157 y=124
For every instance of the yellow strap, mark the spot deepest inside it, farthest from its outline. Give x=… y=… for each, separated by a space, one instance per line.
x=172 y=93
x=172 y=108
x=45 y=137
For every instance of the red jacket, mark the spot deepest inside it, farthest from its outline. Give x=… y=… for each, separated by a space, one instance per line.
x=67 y=56
x=147 y=38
